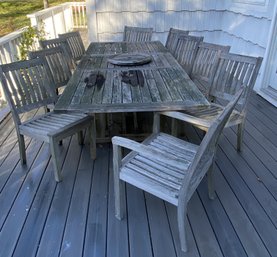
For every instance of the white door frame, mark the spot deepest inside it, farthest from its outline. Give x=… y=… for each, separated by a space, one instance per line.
x=263 y=88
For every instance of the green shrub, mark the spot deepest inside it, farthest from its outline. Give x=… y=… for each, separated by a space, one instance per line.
x=29 y=40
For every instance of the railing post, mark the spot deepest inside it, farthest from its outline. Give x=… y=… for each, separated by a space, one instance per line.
x=64 y=23
x=53 y=23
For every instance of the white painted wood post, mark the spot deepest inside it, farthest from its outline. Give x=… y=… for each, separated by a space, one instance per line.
x=92 y=20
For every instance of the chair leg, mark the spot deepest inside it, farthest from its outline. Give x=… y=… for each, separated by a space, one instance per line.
x=181 y=218
x=102 y=117
x=211 y=183
x=156 y=123
x=135 y=117
x=92 y=138
x=174 y=127
x=80 y=137
x=124 y=130
x=56 y=164
x=118 y=184
x=118 y=193
x=240 y=136
x=22 y=151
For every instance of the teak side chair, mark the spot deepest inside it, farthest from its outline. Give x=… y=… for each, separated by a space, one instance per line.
x=186 y=50
x=75 y=43
x=204 y=64
x=167 y=167
x=137 y=34
x=50 y=43
x=172 y=39
x=232 y=72
x=27 y=86
x=59 y=62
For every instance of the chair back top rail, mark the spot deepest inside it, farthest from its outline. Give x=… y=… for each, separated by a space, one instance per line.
x=59 y=62
x=206 y=151
x=172 y=39
x=49 y=43
x=232 y=72
x=27 y=85
x=206 y=58
x=75 y=43
x=186 y=51
x=137 y=34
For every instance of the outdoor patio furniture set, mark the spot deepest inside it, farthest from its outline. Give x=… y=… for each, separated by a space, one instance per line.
x=173 y=84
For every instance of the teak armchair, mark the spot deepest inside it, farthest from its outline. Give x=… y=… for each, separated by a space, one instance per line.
x=232 y=72
x=167 y=167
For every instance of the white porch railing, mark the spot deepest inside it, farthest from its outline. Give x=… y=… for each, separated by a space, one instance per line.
x=9 y=46
x=56 y=20
x=61 y=18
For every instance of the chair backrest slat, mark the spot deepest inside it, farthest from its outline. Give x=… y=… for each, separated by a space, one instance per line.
x=75 y=43
x=206 y=151
x=55 y=42
x=186 y=50
x=172 y=39
x=59 y=63
x=50 y=43
x=27 y=85
x=206 y=59
x=232 y=72
x=137 y=34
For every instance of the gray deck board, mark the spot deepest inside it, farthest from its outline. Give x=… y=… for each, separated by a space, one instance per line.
x=52 y=234
x=76 y=217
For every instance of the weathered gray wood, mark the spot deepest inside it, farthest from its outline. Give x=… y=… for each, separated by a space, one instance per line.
x=167 y=167
x=238 y=176
x=130 y=59
x=163 y=89
x=231 y=73
x=204 y=64
x=186 y=50
x=113 y=48
x=137 y=34
x=75 y=43
x=50 y=43
x=59 y=62
x=172 y=39
x=35 y=76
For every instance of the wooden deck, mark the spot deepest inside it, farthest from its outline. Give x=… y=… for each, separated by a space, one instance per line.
x=39 y=217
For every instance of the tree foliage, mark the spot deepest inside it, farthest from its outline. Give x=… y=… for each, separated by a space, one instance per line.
x=29 y=40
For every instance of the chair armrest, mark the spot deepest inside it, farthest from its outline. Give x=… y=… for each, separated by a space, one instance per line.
x=148 y=151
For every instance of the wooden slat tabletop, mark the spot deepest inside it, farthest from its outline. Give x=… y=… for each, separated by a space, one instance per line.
x=98 y=86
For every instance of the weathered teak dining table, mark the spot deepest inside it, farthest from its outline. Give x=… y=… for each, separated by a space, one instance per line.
x=99 y=86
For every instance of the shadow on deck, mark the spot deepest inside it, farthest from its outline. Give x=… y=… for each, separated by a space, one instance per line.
x=76 y=217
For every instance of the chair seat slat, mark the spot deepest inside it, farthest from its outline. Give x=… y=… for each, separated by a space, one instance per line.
x=160 y=166
x=157 y=189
